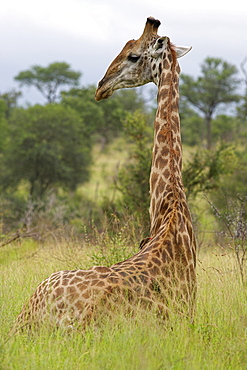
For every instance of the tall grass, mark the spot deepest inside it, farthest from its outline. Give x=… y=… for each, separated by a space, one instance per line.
x=216 y=340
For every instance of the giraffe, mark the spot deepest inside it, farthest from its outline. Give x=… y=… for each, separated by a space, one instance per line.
x=162 y=273
x=154 y=59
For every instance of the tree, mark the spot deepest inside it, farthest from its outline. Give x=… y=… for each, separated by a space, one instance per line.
x=205 y=168
x=104 y=119
x=192 y=124
x=226 y=128
x=3 y=126
x=242 y=110
x=216 y=86
x=48 y=80
x=83 y=102
x=10 y=99
x=117 y=109
x=47 y=148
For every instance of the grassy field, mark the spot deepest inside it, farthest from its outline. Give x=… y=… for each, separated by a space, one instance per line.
x=105 y=167
x=216 y=340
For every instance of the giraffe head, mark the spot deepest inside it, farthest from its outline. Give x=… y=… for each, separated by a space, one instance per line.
x=137 y=63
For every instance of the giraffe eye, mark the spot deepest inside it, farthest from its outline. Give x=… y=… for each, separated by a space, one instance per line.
x=133 y=58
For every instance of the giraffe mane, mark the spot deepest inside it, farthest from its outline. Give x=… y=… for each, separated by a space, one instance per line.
x=173 y=51
x=174 y=60
x=169 y=106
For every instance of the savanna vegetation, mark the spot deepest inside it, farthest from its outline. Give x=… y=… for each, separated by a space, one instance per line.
x=74 y=193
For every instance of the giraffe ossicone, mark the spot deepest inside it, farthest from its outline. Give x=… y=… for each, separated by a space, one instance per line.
x=162 y=273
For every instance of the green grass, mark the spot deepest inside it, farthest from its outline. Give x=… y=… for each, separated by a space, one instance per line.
x=216 y=340
x=104 y=170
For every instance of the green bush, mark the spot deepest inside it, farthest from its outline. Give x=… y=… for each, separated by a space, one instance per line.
x=133 y=177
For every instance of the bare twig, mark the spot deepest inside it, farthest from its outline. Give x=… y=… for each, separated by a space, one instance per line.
x=234 y=220
x=19 y=235
x=243 y=68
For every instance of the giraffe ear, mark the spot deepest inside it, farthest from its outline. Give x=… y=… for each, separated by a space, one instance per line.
x=159 y=46
x=182 y=50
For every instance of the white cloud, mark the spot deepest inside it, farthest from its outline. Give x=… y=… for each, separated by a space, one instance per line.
x=80 y=18
x=89 y=33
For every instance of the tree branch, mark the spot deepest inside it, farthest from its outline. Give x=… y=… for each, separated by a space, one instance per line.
x=243 y=69
x=18 y=235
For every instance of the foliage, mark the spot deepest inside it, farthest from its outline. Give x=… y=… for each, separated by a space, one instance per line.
x=242 y=109
x=216 y=86
x=234 y=220
x=202 y=172
x=83 y=102
x=226 y=128
x=133 y=178
x=47 y=147
x=104 y=119
x=10 y=98
x=117 y=242
x=46 y=151
x=3 y=126
x=48 y=80
x=233 y=182
x=191 y=125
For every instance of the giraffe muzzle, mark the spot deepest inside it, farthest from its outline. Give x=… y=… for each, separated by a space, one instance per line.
x=102 y=93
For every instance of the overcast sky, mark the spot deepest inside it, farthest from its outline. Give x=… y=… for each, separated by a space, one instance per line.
x=88 y=34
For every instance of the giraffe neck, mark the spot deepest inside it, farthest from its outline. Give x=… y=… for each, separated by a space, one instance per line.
x=166 y=180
